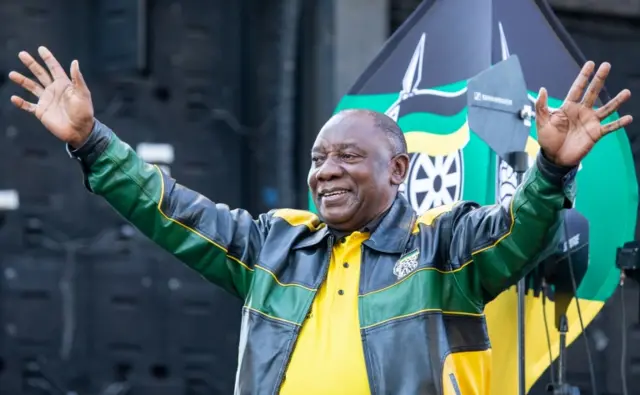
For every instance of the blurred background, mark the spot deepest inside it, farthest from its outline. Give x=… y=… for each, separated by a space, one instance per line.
x=228 y=96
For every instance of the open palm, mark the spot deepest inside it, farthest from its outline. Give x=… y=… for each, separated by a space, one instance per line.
x=567 y=135
x=64 y=105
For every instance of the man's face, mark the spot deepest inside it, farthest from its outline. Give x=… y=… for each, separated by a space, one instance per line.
x=353 y=176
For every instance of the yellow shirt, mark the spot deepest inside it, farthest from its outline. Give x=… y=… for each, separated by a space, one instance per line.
x=328 y=358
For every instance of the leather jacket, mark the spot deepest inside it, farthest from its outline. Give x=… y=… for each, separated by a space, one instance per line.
x=422 y=290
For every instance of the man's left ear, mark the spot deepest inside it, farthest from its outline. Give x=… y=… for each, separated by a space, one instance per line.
x=399 y=168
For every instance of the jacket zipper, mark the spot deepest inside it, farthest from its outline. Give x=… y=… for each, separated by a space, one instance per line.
x=454 y=383
x=297 y=331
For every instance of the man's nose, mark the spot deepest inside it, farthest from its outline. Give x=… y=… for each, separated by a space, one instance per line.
x=329 y=170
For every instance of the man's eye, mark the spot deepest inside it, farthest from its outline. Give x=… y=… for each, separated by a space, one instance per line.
x=347 y=156
x=316 y=159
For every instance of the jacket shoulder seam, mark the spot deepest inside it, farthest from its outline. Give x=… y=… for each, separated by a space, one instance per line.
x=298 y=218
x=198 y=232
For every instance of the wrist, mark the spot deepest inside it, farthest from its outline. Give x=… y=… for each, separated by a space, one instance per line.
x=552 y=171
x=548 y=157
x=78 y=142
x=81 y=138
x=96 y=143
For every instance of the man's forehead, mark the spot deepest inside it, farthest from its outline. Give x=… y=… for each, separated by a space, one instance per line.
x=328 y=145
x=353 y=130
x=349 y=120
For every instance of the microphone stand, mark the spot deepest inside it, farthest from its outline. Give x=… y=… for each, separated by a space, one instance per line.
x=560 y=386
x=565 y=271
x=628 y=261
x=519 y=162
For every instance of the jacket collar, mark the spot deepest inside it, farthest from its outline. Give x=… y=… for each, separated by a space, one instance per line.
x=393 y=232
x=314 y=239
x=368 y=228
x=390 y=234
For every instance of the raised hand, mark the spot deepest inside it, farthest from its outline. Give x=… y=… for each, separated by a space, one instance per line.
x=567 y=135
x=64 y=106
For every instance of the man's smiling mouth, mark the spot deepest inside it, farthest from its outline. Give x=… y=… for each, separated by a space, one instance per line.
x=333 y=195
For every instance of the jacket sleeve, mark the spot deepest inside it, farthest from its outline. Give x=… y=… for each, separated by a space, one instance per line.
x=500 y=245
x=220 y=244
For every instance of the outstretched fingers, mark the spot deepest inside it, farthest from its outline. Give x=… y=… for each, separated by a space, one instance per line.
x=26 y=83
x=613 y=104
x=615 y=125
x=38 y=71
x=76 y=77
x=577 y=89
x=52 y=64
x=23 y=104
x=542 y=110
x=596 y=85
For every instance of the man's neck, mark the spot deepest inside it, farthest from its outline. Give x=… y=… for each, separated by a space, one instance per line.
x=369 y=227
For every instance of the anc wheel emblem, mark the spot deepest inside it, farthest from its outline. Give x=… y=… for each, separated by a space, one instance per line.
x=434 y=180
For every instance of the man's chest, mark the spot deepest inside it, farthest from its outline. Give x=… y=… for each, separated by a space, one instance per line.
x=328 y=354
x=386 y=285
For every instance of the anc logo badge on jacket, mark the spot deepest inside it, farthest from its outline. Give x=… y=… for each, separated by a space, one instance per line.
x=419 y=79
x=406 y=264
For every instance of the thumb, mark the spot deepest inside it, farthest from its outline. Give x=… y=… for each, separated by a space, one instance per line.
x=76 y=77
x=542 y=111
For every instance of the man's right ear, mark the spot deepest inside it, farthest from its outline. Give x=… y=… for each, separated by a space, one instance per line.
x=399 y=168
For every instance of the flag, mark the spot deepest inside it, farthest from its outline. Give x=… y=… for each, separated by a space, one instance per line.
x=419 y=78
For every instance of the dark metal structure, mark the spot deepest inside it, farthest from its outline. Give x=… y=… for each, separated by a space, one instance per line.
x=87 y=304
